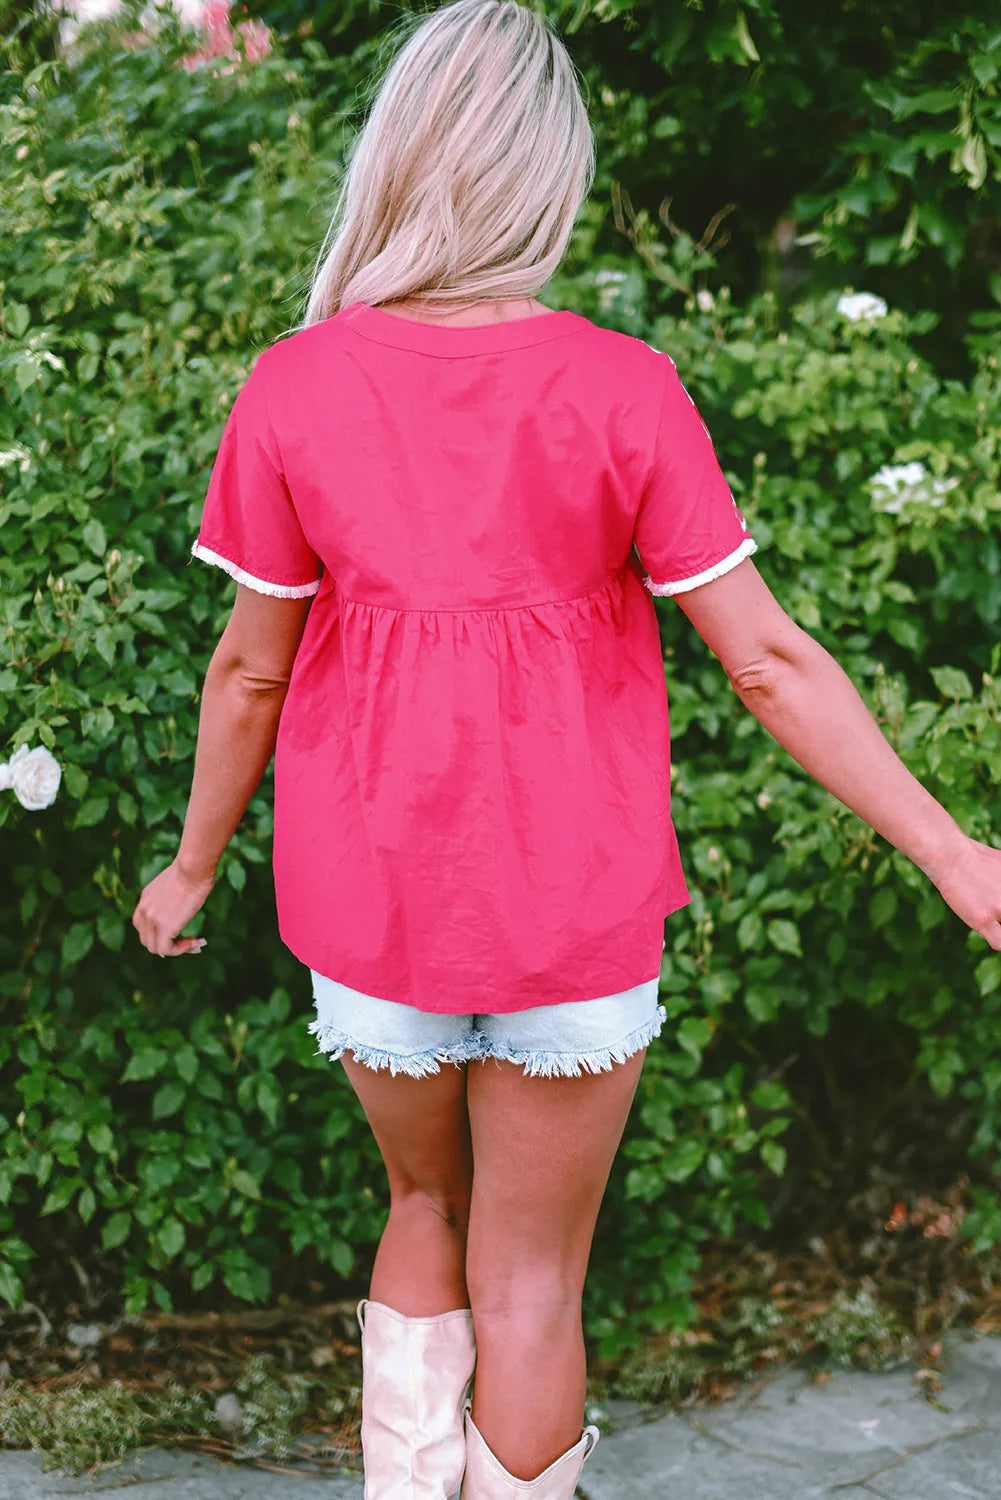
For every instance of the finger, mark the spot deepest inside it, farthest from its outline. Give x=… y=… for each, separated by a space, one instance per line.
x=147 y=933
x=992 y=932
x=156 y=939
x=177 y=947
x=146 y=928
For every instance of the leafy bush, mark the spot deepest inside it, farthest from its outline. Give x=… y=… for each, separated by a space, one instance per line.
x=175 y=1121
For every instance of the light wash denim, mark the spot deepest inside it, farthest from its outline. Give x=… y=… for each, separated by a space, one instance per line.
x=550 y=1040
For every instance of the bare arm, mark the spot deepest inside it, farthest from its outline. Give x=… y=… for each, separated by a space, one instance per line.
x=796 y=689
x=242 y=700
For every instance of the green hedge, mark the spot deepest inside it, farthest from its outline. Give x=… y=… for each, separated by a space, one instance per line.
x=173 y=1120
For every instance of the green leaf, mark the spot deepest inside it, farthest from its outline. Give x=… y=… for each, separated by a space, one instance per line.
x=952 y=682
x=94 y=537
x=770 y=1096
x=682 y=1160
x=988 y=974
x=762 y=1004
x=104 y=641
x=882 y=906
x=74 y=780
x=145 y=1062
x=101 y=1138
x=186 y=1062
x=744 y=40
x=11 y=1285
x=111 y=929
x=244 y=1183
x=202 y=1275
x=750 y=931
x=341 y=1257
x=17 y=318
x=168 y=1099
x=91 y=812
x=77 y=942
x=128 y=808
x=783 y=935
x=170 y=1237
x=774 y=1157
x=268 y=1097
x=695 y=1034
x=60 y=1195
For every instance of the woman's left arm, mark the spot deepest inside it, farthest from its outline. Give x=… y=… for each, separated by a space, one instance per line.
x=242 y=699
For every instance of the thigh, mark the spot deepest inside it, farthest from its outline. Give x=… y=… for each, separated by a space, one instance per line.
x=543 y=1149
x=421 y=1127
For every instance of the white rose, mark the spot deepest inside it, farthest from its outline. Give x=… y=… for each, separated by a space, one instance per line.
x=33 y=776
x=705 y=301
x=861 y=306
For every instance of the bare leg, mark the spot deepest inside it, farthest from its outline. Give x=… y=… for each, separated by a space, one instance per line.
x=543 y=1149
x=422 y=1129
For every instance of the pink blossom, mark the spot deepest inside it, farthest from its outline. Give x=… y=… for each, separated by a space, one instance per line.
x=219 y=38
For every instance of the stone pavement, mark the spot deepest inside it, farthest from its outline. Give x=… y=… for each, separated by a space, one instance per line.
x=854 y=1437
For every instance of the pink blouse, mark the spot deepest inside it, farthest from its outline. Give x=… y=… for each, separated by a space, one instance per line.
x=472 y=774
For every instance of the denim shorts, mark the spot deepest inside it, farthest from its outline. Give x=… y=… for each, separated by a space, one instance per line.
x=561 y=1040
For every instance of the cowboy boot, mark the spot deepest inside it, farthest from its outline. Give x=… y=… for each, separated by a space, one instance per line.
x=487 y=1479
x=416 y=1372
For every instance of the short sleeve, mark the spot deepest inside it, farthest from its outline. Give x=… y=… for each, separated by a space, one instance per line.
x=249 y=523
x=688 y=529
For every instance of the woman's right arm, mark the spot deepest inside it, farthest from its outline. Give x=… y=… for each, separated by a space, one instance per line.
x=796 y=689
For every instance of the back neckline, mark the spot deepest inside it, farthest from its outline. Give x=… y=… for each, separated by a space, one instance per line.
x=443 y=340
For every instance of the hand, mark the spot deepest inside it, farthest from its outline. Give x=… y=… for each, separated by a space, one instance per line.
x=166 y=905
x=969 y=880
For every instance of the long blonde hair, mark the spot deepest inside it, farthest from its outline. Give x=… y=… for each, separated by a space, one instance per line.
x=467 y=175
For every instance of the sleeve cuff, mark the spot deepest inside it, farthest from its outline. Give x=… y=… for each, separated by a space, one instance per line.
x=747 y=546
x=260 y=585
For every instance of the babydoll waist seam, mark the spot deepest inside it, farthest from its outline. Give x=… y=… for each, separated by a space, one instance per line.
x=477 y=609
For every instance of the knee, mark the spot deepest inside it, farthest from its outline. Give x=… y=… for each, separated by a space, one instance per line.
x=432 y=1205
x=511 y=1290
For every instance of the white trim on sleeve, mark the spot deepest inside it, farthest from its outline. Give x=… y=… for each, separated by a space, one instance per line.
x=260 y=585
x=747 y=546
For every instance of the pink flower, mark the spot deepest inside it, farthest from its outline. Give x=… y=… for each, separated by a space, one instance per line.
x=219 y=39
x=256 y=39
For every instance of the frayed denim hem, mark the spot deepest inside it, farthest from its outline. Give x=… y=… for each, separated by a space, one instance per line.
x=540 y=1064
x=334 y=1042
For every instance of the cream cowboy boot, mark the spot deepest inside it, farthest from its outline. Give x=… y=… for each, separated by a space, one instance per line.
x=415 y=1375
x=487 y=1479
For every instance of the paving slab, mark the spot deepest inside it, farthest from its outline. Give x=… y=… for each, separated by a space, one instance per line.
x=792 y=1438
x=170 y=1474
x=854 y=1436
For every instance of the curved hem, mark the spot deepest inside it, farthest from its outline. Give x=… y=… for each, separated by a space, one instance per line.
x=708 y=574
x=250 y=580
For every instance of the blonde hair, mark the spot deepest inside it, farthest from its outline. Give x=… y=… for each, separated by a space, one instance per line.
x=467 y=175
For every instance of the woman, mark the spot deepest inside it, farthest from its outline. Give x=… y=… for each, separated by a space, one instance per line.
x=429 y=495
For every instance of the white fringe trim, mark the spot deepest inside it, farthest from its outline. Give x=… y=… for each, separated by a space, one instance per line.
x=260 y=585
x=747 y=546
x=540 y=1064
x=334 y=1042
